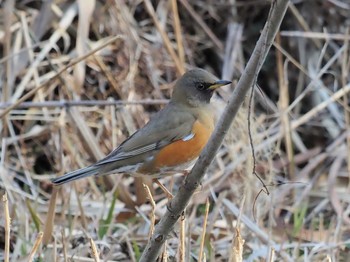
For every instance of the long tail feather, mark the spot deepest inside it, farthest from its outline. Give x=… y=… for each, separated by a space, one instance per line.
x=77 y=174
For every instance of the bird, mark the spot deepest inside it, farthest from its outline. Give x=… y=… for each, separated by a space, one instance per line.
x=171 y=141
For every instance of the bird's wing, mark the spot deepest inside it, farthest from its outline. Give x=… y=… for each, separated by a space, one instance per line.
x=168 y=125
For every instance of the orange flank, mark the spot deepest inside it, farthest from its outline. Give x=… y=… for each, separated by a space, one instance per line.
x=181 y=152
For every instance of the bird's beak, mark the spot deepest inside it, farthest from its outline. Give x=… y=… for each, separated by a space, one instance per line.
x=219 y=83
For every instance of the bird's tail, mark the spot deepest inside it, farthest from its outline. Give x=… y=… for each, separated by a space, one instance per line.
x=77 y=174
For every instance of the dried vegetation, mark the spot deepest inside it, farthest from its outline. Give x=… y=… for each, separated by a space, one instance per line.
x=299 y=128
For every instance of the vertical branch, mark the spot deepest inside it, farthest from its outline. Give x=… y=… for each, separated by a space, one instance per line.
x=283 y=105
x=180 y=201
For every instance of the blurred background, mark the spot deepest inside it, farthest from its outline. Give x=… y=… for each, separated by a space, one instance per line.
x=72 y=116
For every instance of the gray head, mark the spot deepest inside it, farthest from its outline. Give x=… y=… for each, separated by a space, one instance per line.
x=196 y=87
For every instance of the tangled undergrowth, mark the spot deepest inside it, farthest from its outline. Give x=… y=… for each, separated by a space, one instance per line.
x=299 y=128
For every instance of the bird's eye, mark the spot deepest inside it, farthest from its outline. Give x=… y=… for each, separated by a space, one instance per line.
x=200 y=86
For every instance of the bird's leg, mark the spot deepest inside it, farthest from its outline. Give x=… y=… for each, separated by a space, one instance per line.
x=165 y=190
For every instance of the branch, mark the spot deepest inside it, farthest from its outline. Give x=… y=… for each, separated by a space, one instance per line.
x=192 y=181
x=72 y=103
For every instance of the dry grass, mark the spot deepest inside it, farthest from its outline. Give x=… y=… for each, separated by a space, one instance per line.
x=300 y=129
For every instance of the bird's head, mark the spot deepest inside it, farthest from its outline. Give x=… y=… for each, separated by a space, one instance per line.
x=196 y=87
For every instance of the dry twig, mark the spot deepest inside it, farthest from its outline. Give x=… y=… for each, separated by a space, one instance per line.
x=35 y=247
x=237 y=247
x=49 y=223
x=7 y=228
x=182 y=247
x=201 y=249
x=94 y=251
x=153 y=205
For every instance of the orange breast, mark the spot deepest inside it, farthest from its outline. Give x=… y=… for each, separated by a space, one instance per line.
x=181 y=152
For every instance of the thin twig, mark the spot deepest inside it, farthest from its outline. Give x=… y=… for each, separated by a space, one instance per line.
x=36 y=246
x=165 y=253
x=94 y=251
x=64 y=246
x=272 y=254
x=7 y=228
x=236 y=252
x=49 y=223
x=237 y=247
x=344 y=77
x=207 y=204
x=153 y=206
x=8 y=12
x=182 y=247
x=251 y=142
x=283 y=105
x=315 y=35
x=84 y=223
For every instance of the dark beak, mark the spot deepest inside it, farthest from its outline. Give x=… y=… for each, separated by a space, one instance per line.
x=219 y=83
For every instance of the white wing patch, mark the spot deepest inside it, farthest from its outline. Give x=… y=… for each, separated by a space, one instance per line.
x=188 y=137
